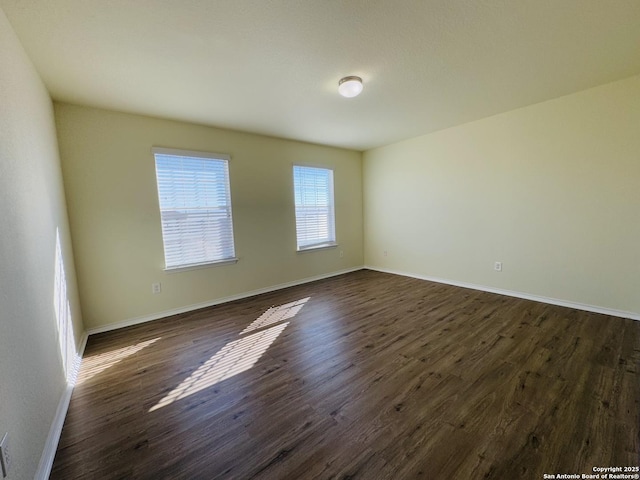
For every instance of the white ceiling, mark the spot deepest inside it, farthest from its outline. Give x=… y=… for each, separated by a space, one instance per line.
x=272 y=66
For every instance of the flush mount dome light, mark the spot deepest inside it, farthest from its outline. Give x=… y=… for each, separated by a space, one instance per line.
x=350 y=86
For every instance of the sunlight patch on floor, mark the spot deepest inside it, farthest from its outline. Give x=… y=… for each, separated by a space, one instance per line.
x=91 y=366
x=234 y=358
x=276 y=314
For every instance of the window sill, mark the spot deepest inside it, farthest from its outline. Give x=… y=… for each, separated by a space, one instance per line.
x=197 y=266
x=324 y=246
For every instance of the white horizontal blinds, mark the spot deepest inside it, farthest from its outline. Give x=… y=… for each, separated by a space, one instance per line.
x=315 y=218
x=195 y=209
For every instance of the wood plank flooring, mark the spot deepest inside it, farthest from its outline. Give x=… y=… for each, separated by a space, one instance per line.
x=366 y=375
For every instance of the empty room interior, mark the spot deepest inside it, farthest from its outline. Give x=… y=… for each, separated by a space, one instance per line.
x=319 y=239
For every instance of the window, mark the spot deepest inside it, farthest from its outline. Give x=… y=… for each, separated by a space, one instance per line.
x=195 y=207
x=315 y=218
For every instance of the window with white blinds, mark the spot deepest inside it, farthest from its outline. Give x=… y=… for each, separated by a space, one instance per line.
x=195 y=207
x=315 y=218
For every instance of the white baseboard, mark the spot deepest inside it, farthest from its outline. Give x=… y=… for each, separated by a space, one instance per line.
x=167 y=313
x=511 y=293
x=51 y=445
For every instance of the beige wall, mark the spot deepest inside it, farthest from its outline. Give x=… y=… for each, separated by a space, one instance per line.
x=32 y=209
x=551 y=190
x=109 y=176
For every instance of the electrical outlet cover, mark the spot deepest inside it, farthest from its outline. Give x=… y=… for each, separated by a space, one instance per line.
x=5 y=456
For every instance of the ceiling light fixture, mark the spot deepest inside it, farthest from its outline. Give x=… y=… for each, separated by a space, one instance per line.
x=350 y=86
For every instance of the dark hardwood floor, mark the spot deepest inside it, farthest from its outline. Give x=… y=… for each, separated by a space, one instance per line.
x=366 y=375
